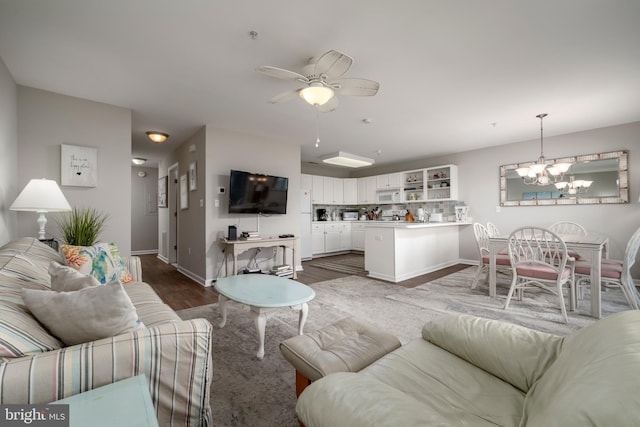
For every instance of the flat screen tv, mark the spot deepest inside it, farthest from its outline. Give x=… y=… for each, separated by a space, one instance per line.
x=256 y=193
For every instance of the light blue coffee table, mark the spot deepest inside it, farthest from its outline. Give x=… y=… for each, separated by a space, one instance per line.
x=264 y=293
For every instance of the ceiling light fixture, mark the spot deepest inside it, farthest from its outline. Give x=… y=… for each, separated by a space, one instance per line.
x=138 y=161
x=341 y=158
x=573 y=187
x=157 y=136
x=541 y=173
x=316 y=94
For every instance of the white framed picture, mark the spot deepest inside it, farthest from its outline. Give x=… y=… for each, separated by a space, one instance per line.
x=193 y=177
x=78 y=166
x=184 y=193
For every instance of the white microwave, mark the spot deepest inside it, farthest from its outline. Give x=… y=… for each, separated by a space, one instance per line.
x=389 y=196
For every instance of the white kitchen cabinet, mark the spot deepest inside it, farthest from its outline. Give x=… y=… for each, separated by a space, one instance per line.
x=367 y=187
x=357 y=236
x=350 y=186
x=317 y=238
x=333 y=192
x=389 y=181
x=413 y=186
x=317 y=189
x=345 y=236
x=442 y=183
x=332 y=237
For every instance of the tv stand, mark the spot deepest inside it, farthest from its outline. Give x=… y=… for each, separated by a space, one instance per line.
x=234 y=248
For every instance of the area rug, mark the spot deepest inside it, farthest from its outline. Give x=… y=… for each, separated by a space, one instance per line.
x=251 y=392
x=348 y=264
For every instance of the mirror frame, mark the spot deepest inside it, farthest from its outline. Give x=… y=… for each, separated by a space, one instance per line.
x=623 y=182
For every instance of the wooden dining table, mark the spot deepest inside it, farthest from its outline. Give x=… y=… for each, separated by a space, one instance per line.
x=593 y=247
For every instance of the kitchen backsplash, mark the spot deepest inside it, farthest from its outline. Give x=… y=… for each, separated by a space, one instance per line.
x=447 y=208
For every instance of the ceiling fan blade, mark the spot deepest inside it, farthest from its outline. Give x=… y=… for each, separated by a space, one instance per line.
x=329 y=106
x=285 y=96
x=355 y=86
x=280 y=73
x=332 y=64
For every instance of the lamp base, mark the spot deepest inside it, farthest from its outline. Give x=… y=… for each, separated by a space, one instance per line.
x=42 y=221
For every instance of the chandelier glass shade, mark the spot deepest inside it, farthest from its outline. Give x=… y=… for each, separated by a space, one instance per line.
x=573 y=186
x=316 y=94
x=542 y=173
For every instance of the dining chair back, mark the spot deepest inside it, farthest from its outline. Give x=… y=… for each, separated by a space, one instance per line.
x=615 y=273
x=539 y=258
x=568 y=228
x=502 y=260
x=493 y=230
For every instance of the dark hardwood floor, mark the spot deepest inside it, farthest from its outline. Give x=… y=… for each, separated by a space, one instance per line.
x=180 y=292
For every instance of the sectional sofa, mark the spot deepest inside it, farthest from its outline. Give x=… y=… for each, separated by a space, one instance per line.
x=36 y=367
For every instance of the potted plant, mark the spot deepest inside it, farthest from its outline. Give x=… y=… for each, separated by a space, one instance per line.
x=82 y=226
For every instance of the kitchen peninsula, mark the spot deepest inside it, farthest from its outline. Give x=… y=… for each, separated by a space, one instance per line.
x=397 y=251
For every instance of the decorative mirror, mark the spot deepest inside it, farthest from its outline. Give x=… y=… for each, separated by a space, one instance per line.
x=592 y=179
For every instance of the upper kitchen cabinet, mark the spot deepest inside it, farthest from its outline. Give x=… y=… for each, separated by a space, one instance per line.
x=442 y=183
x=333 y=191
x=317 y=190
x=389 y=181
x=350 y=186
x=413 y=186
x=367 y=187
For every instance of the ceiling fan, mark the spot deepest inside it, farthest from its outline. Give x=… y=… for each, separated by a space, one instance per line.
x=323 y=79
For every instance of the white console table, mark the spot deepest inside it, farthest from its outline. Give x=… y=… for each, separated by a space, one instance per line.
x=236 y=247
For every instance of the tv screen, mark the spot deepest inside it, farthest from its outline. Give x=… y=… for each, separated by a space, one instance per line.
x=256 y=193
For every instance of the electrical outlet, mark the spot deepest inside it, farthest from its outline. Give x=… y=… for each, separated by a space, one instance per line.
x=498 y=209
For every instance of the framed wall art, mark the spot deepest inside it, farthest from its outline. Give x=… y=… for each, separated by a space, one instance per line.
x=184 y=193
x=193 y=177
x=78 y=166
x=162 y=192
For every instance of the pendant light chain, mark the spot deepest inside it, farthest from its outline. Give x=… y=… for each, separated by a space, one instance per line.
x=317 y=128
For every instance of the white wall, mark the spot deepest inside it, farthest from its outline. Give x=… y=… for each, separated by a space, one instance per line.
x=144 y=210
x=231 y=150
x=45 y=121
x=8 y=153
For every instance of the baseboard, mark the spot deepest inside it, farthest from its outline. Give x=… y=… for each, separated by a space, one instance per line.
x=200 y=280
x=163 y=259
x=145 y=252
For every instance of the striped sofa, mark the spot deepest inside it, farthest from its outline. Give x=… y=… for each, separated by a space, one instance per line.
x=35 y=367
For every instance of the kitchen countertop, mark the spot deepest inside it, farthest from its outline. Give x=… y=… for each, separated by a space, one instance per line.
x=398 y=224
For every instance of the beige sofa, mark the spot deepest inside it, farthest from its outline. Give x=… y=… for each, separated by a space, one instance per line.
x=35 y=367
x=468 y=371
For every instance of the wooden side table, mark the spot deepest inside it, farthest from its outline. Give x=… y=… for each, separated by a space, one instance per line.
x=123 y=403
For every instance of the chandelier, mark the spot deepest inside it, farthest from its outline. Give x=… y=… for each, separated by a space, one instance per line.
x=542 y=173
x=573 y=187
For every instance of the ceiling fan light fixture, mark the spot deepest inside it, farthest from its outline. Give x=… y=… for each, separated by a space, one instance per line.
x=316 y=94
x=157 y=136
x=340 y=158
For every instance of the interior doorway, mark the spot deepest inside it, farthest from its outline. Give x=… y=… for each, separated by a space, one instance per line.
x=172 y=203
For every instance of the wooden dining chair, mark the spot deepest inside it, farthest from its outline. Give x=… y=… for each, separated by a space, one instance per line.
x=493 y=230
x=502 y=259
x=614 y=273
x=539 y=258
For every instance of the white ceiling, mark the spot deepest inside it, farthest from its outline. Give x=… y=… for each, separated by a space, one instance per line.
x=455 y=74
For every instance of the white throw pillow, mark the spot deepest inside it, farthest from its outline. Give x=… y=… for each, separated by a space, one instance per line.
x=86 y=315
x=65 y=279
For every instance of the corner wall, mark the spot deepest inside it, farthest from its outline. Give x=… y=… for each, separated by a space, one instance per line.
x=8 y=154
x=45 y=121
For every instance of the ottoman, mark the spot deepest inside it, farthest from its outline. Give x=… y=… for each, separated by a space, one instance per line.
x=348 y=345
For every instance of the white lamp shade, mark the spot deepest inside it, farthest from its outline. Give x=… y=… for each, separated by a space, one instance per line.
x=41 y=195
x=316 y=94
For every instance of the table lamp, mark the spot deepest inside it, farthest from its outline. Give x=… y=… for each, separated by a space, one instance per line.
x=41 y=196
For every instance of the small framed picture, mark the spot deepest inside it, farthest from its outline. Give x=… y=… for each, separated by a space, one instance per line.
x=162 y=192
x=184 y=193
x=78 y=166
x=193 y=177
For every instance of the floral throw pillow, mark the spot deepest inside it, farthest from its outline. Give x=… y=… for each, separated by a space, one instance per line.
x=103 y=261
